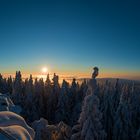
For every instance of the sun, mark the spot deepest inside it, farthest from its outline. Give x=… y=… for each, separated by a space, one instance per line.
x=44 y=70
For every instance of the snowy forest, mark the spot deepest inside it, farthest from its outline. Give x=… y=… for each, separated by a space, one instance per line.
x=93 y=110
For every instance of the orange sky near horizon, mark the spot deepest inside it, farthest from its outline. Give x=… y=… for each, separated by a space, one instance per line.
x=103 y=73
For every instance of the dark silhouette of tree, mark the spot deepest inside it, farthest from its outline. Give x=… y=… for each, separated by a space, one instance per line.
x=17 y=88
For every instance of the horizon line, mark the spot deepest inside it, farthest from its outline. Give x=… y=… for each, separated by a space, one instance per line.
x=70 y=76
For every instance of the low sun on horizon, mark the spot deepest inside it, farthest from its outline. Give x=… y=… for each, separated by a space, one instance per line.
x=44 y=70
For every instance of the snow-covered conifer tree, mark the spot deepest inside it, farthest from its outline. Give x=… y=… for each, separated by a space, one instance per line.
x=90 y=127
x=106 y=109
x=17 y=88
x=63 y=112
x=29 y=90
x=123 y=127
x=9 y=84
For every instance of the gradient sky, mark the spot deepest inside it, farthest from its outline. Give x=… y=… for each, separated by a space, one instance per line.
x=71 y=36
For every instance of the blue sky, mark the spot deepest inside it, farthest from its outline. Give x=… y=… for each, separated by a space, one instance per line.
x=70 y=36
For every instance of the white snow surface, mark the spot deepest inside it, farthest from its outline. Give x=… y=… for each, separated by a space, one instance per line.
x=10 y=122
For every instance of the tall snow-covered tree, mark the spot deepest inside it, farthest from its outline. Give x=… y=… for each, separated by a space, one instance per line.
x=74 y=86
x=17 y=88
x=83 y=89
x=115 y=98
x=9 y=84
x=36 y=105
x=52 y=100
x=28 y=100
x=29 y=90
x=3 y=85
x=78 y=98
x=63 y=112
x=135 y=108
x=48 y=81
x=106 y=109
x=56 y=85
x=123 y=127
x=90 y=127
x=47 y=92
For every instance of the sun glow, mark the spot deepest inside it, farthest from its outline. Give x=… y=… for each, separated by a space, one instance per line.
x=44 y=70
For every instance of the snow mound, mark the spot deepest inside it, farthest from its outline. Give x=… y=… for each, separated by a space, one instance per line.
x=11 y=120
x=16 y=132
